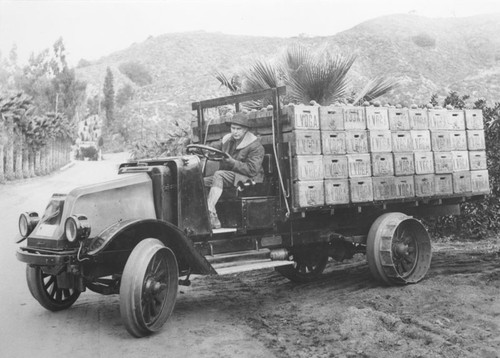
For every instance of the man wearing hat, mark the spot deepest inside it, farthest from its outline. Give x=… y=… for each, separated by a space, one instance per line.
x=244 y=162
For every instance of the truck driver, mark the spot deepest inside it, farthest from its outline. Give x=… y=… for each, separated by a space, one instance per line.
x=244 y=162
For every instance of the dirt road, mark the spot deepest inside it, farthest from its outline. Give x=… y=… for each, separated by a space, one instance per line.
x=454 y=312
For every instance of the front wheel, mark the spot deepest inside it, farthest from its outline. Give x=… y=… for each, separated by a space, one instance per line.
x=148 y=288
x=46 y=291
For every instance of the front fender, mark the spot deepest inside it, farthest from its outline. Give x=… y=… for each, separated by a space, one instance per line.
x=125 y=235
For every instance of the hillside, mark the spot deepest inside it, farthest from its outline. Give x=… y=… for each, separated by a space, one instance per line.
x=426 y=55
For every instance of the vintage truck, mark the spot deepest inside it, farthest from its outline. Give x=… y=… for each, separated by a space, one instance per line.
x=338 y=181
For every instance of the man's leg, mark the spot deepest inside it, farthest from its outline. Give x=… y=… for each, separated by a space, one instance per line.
x=220 y=180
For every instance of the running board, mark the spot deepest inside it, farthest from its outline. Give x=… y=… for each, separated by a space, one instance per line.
x=250 y=265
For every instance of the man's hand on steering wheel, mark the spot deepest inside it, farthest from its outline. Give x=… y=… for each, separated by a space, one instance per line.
x=205 y=151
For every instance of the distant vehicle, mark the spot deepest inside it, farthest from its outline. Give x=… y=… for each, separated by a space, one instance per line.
x=137 y=235
x=88 y=150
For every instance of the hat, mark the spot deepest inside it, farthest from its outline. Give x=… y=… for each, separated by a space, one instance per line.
x=239 y=118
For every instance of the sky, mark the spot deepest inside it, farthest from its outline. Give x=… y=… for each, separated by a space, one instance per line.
x=92 y=29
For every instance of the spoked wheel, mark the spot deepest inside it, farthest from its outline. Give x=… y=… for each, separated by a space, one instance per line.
x=148 y=288
x=46 y=291
x=398 y=249
x=308 y=265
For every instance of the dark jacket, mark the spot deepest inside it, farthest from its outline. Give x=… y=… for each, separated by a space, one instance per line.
x=247 y=160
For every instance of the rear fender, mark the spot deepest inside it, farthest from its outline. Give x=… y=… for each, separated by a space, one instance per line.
x=125 y=235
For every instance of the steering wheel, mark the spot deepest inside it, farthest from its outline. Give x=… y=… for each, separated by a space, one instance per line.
x=206 y=151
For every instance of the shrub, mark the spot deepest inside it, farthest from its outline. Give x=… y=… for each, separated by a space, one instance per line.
x=136 y=72
x=424 y=40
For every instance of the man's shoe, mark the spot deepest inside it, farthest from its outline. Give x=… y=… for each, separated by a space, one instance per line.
x=214 y=221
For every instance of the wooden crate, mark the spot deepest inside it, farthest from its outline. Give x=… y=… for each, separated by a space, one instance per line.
x=307 y=167
x=359 y=165
x=379 y=141
x=462 y=182
x=479 y=181
x=455 y=120
x=421 y=140
x=438 y=119
x=405 y=186
x=354 y=118
x=460 y=161
x=474 y=119
x=418 y=119
x=384 y=188
x=308 y=194
x=333 y=142
x=356 y=141
x=361 y=190
x=424 y=163
x=477 y=160
x=443 y=184
x=458 y=140
x=382 y=164
x=377 y=118
x=424 y=185
x=336 y=191
x=475 y=140
x=404 y=164
x=443 y=162
x=399 y=119
x=304 y=142
x=335 y=166
x=303 y=117
x=441 y=141
x=402 y=141
x=331 y=118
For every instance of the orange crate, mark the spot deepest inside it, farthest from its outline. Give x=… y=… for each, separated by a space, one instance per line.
x=307 y=167
x=308 y=193
x=474 y=119
x=462 y=182
x=331 y=118
x=399 y=119
x=475 y=140
x=424 y=185
x=335 y=166
x=304 y=142
x=377 y=118
x=458 y=140
x=354 y=118
x=405 y=186
x=359 y=165
x=380 y=141
x=382 y=164
x=356 y=142
x=443 y=184
x=361 y=190
x=477 y=160
x=460 y=161
x=336 y=191
x=418 y=119
x=438 y=119
x=404 y=163
x=455 y=119
x=443 y=162
x=421 y=140
x=441 y=141
x=402 y=141
x=424 y=163
x=384 y=188
x=333 y=142
x=303 y=117
x=479 y=181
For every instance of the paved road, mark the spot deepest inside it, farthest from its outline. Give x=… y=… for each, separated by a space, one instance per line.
x=92 y=326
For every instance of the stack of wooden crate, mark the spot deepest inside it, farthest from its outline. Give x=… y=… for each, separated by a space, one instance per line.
x=360 y=154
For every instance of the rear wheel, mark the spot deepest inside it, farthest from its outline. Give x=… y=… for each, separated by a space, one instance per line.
x=398 y=249
x=148 y=288
x=47 y=292
x=308 y=265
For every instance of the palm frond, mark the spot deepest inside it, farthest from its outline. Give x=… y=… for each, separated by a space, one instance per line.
x=375 y=88
x=230 y=84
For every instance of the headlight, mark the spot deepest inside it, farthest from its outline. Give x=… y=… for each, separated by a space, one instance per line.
x=77 y=227
x=27 y=222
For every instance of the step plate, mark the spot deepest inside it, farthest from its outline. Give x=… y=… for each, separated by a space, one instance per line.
x=225 y=269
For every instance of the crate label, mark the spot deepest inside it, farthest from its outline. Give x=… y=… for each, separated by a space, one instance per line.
x=357 y=142
x=335 y=166
x=460 y=161
x=424 y=163
x=383 y=164
x=380 y=141
x=361 y=190
x=418 y=119
x=405 y=187
x=336 y=192
x=354 y=118
x=376 y=118
x=404 y=163
x=384 y=188
x=305 y=117
x=307 y=143
x=438 y=119
x=424 y=185
x=421 y=140
x=359 y=165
